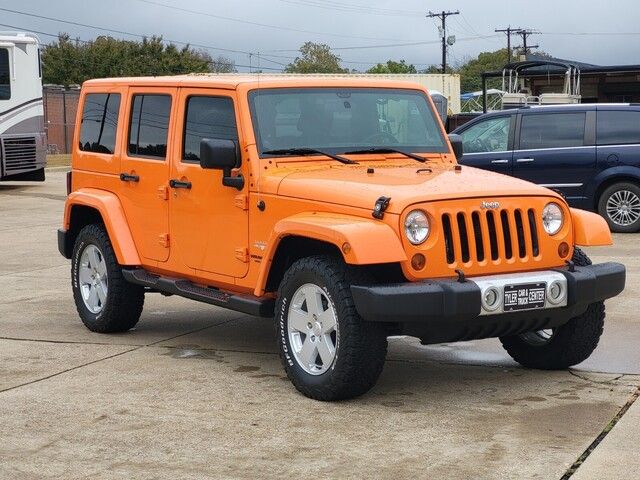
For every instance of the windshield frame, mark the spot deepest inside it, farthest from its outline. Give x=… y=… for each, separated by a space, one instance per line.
x=252 y=94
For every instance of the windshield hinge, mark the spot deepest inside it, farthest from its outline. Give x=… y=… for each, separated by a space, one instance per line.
x=381 y=205
x=242 y=254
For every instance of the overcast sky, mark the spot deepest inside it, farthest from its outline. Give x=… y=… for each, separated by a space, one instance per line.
x=279 y=27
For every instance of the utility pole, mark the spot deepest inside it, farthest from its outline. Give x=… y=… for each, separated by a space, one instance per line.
x=443 y=17
x=509 y=31
x=525 y=33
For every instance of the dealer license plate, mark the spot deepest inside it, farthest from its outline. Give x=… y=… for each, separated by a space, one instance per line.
x=525 y=296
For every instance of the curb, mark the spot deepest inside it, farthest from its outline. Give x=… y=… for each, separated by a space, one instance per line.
x=58 y=169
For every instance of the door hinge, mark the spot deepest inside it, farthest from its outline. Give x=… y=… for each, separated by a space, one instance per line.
x=242 y=254
x=163 y=192
x=241 y=201
x=164 y=240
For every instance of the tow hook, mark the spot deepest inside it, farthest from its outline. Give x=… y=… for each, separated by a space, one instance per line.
x=381 y=205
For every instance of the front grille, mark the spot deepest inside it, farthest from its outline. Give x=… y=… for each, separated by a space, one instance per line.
x=480 y=235
x=19 y=153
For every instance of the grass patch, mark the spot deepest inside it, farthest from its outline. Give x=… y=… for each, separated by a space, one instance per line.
x=58 y=160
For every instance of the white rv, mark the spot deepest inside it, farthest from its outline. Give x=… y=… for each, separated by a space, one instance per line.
x=23 y=143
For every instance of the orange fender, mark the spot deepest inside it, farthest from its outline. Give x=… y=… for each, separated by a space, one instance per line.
x=590 y=229
x=113 y=217
x=361 y=241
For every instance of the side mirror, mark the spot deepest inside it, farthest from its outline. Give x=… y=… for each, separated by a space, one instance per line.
x=456 y=145
x=220 y=154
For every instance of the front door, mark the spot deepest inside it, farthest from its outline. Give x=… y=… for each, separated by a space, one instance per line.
x=555 y=150
x=209 y=222
x=487 y=144
x=144 y=169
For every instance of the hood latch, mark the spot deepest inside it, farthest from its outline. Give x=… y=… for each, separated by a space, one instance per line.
x=381 y=205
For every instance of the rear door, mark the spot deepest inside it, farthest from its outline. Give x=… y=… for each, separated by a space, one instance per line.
x=618 y=136
x=487 y=144
x=144 y=169
x=556 y=150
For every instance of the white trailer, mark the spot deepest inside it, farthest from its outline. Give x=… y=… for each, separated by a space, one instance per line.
x=23 y=143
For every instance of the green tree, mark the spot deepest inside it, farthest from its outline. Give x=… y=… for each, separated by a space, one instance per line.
x=315 y=58
x=67 y=62
x=470 y=72
x=393 y=67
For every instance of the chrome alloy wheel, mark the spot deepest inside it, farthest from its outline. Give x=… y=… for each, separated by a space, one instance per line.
x=92 y=278
x=623 y=208
x=538 y=338
x=312 y=327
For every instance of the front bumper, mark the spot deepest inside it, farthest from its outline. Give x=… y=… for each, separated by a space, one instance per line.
x=448 y=310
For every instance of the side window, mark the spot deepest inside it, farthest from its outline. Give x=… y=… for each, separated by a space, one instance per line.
x=5 y=79
x=99 y=122
x=618 y=127
x=149 y=125
x=207 y=117
x=490 y=135
x=552 y=130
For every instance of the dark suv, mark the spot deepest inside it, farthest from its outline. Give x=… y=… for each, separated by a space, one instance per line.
x=589 y=153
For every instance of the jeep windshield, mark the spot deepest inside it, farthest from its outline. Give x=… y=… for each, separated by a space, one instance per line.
x=340 y=120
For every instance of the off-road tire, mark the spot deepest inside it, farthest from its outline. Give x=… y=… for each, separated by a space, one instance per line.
x=361 y=346
x=570 y=344
x=602 y=206
x=124 y=300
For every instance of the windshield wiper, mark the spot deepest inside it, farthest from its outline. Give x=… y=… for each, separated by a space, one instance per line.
x=388 y=150
x=308 y=151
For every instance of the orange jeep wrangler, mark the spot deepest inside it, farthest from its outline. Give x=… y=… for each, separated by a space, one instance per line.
x=335 y=207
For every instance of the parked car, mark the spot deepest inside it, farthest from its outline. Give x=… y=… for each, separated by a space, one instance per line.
x=590 y=153
x=334 y=207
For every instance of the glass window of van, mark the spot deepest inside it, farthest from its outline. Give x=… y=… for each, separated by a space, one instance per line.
x=149 y=125
x=618 y=127
x=5 y=78
x=207 y=117
x=490 y=135
x=552 y=130
x=99 y=122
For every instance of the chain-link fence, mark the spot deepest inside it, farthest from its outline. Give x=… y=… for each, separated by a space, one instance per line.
x=60 y=107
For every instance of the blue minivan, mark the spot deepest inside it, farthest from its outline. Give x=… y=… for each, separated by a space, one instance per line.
x=590 y=153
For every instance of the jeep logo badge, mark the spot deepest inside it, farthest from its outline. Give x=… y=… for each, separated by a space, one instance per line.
x=489 y=205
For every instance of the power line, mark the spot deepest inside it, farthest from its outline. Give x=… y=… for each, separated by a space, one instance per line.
x=525 y=33
x=443 y=17
x=257 y=24
x=47 y=34
x=350 y=7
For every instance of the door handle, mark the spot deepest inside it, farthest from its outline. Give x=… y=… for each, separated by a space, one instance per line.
x=525 y=160
x=502 y=160
x=127 y=177
x=173 y=183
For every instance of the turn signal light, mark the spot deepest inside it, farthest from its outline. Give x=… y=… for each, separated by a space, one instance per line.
x=418 y=261
x=563 y=250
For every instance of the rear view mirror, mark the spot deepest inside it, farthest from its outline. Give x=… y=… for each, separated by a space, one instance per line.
x=456 y=145
x=222 y=154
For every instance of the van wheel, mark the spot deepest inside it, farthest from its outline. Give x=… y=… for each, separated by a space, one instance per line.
x=619 y=204
x=328 y=351
x=105 y=301
x=564 y=346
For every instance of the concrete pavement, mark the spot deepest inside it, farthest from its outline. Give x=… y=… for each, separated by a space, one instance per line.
x=198 y=392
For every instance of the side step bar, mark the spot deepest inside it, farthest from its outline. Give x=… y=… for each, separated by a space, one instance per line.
x=184 y=288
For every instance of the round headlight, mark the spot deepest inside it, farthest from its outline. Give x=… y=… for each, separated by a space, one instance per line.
x=416 y=226
x=552 y=218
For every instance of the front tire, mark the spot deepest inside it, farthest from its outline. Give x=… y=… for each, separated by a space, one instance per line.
x=564 y=346
x=327 y=350
x=619 y=204
x=105 y=301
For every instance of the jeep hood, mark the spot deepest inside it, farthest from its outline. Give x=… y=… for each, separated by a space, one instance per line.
x=406 y=185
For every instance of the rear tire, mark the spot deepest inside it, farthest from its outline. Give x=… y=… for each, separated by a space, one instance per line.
x=563 y=346
x=327 y=350
x=105 y=301
x=619 y=204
